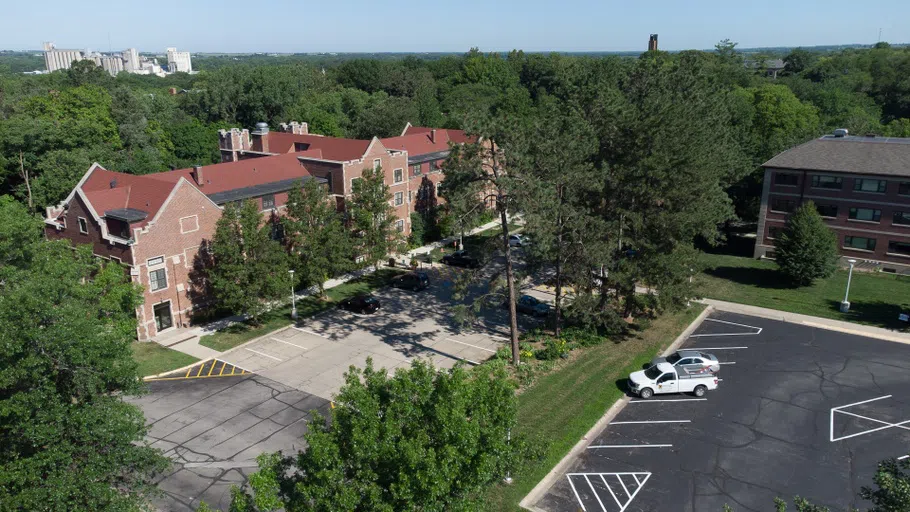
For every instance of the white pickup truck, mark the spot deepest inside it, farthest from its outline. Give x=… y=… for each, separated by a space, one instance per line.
x=663 y=378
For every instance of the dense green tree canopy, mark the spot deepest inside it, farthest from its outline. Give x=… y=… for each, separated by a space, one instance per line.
x=806 y=249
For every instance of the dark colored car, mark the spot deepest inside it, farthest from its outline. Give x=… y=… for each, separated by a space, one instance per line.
x=531 y=306
x=360 y=304
x=412 y=281
x=461 y=259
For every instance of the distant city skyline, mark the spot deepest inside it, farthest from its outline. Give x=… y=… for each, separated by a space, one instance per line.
x=286 y=26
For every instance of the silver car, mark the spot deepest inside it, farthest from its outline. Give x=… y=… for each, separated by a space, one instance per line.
x=692 y=361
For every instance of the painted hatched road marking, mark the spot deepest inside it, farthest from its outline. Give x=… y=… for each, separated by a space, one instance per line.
x=758 y=331
x=205 y=370
x=887 y=424
x=620 y=487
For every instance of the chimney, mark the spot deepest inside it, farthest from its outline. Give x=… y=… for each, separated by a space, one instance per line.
x=197 y=175
x=261 y=138
x=433 y=135
x=113 y=183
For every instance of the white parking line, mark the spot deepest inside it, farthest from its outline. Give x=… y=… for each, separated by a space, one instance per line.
x=629 y=446
x=468 y=344
x=649 y=421
x=717 y=348
x=310 y=332
x=731 y=362
x=288 y=343
x=904 y=457
x=495 y=337
x=671 y=400
x=261 y=354
x=734 y=323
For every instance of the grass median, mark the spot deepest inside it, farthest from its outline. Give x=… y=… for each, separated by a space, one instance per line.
x=154 y=358
x=876 y=298
x=563 y=405
x=242 y=332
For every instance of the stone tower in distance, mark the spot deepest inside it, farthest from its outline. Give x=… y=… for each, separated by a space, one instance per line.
x=652 y=43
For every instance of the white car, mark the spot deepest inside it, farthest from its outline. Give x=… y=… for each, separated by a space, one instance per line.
x=663 y=378
x=518 y=241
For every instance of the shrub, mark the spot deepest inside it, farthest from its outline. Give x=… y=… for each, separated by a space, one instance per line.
x=582 y=337
x=553 y=349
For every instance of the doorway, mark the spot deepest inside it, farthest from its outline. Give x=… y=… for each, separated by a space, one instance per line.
x=163 y=318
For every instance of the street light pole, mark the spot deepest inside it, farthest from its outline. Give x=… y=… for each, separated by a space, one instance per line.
x=293 y=297
x=845 y=305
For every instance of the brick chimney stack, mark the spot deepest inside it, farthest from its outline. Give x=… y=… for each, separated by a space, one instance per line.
x=261 y=138
x=295 y=128
x=198 y=176
x=652 y=43
x=433 y=135
x=231 y=142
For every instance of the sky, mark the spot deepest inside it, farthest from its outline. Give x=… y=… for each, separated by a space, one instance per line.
x=288 y=26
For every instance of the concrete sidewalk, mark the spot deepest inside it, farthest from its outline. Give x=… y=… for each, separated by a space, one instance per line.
x=812 y=321
x=187 y=340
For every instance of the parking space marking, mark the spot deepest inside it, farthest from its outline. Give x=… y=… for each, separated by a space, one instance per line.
x=649 y=421
x=731 y=362
x=599 y=446
x=495 y=337
x=262 y=354
x=718 y=348
x=288 y=343
x=729 y=333
x=669 y=400
x=627 y=495
x=206 y=369
x=468 y=344
x=310 y=332
x=904 y=457
x=887 y=424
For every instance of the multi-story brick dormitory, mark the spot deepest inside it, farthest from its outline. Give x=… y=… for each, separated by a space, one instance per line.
x=861 y=187
x=157 y=225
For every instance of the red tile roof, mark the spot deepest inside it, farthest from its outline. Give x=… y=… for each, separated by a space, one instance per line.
x=333 y=148
x=456 y=136
x=110 y=190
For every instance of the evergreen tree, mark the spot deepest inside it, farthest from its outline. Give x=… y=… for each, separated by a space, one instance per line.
x=373 y=218
x=250 y=268
x=319 y=244
x=806 y=249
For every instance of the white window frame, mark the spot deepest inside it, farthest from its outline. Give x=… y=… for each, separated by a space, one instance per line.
x=399 y=198
x=417 y=169
x=352 y=182
x=83 y=225
x=398 y=176
x=183 y=231
x=377 y=163
x=63 y=219
x=274 y=202
x=399 y=225
x=148 y=262
x=167 y=281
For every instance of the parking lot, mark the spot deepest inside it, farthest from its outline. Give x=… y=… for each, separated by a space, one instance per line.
x=314 y=354
x=799 y=411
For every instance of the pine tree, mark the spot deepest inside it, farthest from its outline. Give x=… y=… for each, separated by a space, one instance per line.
x=806 y=249
x=319 y=245
x=250 y=268
x=373 y=218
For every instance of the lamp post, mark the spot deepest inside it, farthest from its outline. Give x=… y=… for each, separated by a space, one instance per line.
x=845 y=305
x=293 y=297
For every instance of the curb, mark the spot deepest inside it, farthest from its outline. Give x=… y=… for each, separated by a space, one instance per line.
x=547 y=482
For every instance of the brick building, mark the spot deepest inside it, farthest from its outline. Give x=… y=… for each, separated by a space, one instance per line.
x=861 y=187
x=157 y=225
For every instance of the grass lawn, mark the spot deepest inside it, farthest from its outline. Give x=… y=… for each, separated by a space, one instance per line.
x=875 y=298
x=154 y=358
x=473 y=243
x=561 y=406
x=242 y=332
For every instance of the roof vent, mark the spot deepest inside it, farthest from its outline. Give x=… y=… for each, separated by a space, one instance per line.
x=841 y=132
x=262 y=128
x=113 y=183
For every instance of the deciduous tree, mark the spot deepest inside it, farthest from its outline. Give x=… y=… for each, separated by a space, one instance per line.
x=250 y=268
x=373 y=218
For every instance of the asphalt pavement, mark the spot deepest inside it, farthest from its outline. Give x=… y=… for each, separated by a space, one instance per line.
x=799 y=411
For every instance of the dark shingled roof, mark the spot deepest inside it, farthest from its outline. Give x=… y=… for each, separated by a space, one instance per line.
x=126 y=214
x=887 y=156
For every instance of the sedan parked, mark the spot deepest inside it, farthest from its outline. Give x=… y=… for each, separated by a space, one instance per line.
x=364 y=304
x=518 y=241
x=532 y=306
x=461 y=259
x=692 y=361
x=412 y=281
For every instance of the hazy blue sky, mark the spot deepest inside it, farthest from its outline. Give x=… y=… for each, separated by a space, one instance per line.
x=445 y=25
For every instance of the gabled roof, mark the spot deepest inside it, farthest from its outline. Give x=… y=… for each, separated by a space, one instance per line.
x=332 y=148
x=110 y=190
x=456 y=136
x=423 y=145
x=888 y=156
